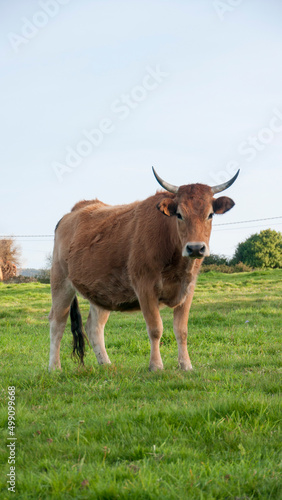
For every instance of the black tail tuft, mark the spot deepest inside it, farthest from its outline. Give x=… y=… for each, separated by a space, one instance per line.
x=77 y=331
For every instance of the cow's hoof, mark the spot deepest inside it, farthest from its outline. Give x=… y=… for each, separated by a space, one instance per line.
x=104 y=362
x=155 y=368
x=186 y=367
x=52 y=369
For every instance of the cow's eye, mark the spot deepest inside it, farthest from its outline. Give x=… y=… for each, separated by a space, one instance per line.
x=211 y=216
x=179 y=216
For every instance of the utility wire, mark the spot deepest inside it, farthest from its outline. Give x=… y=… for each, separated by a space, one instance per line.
x=241 y=228
x=244 y=221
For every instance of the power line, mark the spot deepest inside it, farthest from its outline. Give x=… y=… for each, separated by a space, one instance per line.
x=245 y=221
x=241 y=228
x=214 y=225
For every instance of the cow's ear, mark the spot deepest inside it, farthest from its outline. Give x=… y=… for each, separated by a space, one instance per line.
x=222 y=204
x=167 y=206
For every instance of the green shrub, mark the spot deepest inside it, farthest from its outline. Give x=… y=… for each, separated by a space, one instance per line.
x=228 y=269
x=262 y=250
x=215 y=259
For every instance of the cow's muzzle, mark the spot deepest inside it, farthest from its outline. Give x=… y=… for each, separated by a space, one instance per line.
x=196 y=250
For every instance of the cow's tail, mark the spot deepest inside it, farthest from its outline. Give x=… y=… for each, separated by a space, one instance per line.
x=77 y=332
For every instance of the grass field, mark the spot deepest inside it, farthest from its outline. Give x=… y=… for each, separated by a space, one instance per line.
x=123 y=432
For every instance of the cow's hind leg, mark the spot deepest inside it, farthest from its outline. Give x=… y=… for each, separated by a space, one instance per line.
x=95 y=325
x=62 y=297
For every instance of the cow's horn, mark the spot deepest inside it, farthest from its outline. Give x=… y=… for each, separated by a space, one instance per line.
x=225 y=185
x=169 y=187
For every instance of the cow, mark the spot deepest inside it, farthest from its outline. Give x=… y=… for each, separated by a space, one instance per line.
x=139 y=256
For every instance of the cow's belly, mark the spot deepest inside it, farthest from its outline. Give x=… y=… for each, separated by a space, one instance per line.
x=113 y=293
x=120 y=299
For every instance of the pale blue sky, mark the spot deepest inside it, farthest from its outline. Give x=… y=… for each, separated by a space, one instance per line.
x=216 y=99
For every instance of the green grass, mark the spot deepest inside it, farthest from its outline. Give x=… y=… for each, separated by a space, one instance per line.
x=123 y=432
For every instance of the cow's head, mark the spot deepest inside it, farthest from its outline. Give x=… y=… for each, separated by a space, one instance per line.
x=194 y=206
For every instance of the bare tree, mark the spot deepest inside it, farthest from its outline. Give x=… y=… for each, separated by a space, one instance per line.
x=9 y=259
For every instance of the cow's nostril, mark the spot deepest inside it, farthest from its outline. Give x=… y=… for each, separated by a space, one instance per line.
x=189 y=249
x=202 y=250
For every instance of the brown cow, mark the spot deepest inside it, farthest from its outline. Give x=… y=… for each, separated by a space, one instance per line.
x=129 y=257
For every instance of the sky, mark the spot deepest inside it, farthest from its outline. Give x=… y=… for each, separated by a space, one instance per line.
x=94 y=93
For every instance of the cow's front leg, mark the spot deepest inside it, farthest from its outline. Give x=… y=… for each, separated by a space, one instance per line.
x=150 y=309
x=180 y=328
